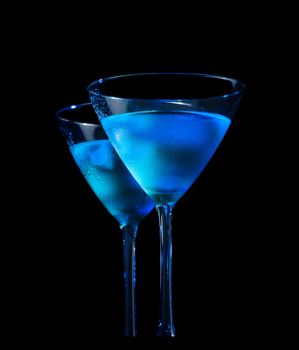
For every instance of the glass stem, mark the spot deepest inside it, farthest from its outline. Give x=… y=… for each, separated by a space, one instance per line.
x=129 y=242
x=165 y=326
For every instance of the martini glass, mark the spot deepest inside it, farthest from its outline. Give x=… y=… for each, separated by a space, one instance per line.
x=113 y=185
x=165 y=128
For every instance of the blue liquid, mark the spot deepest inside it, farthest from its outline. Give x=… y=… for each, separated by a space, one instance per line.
x=111 y=181
x=166 y=152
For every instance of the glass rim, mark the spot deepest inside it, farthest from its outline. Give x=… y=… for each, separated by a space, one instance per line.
x=74 y=107
x=237 y=85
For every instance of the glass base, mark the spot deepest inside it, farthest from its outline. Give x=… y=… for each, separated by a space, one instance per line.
x=165 y=332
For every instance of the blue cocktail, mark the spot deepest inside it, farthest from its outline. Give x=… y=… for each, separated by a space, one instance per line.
x=113 y=185
x=166 y=127
x=165 y=152
x=111 y=181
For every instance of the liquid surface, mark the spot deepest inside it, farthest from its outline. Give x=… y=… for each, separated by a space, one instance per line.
x=111 y=181
x=166 y=152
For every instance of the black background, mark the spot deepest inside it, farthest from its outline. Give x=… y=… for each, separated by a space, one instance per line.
x=69 y=258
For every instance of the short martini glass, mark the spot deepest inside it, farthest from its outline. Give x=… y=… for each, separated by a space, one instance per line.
x=166 y=127
x=113 y=185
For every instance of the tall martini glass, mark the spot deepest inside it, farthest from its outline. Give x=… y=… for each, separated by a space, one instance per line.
x=166 y=127
x=112 y=183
